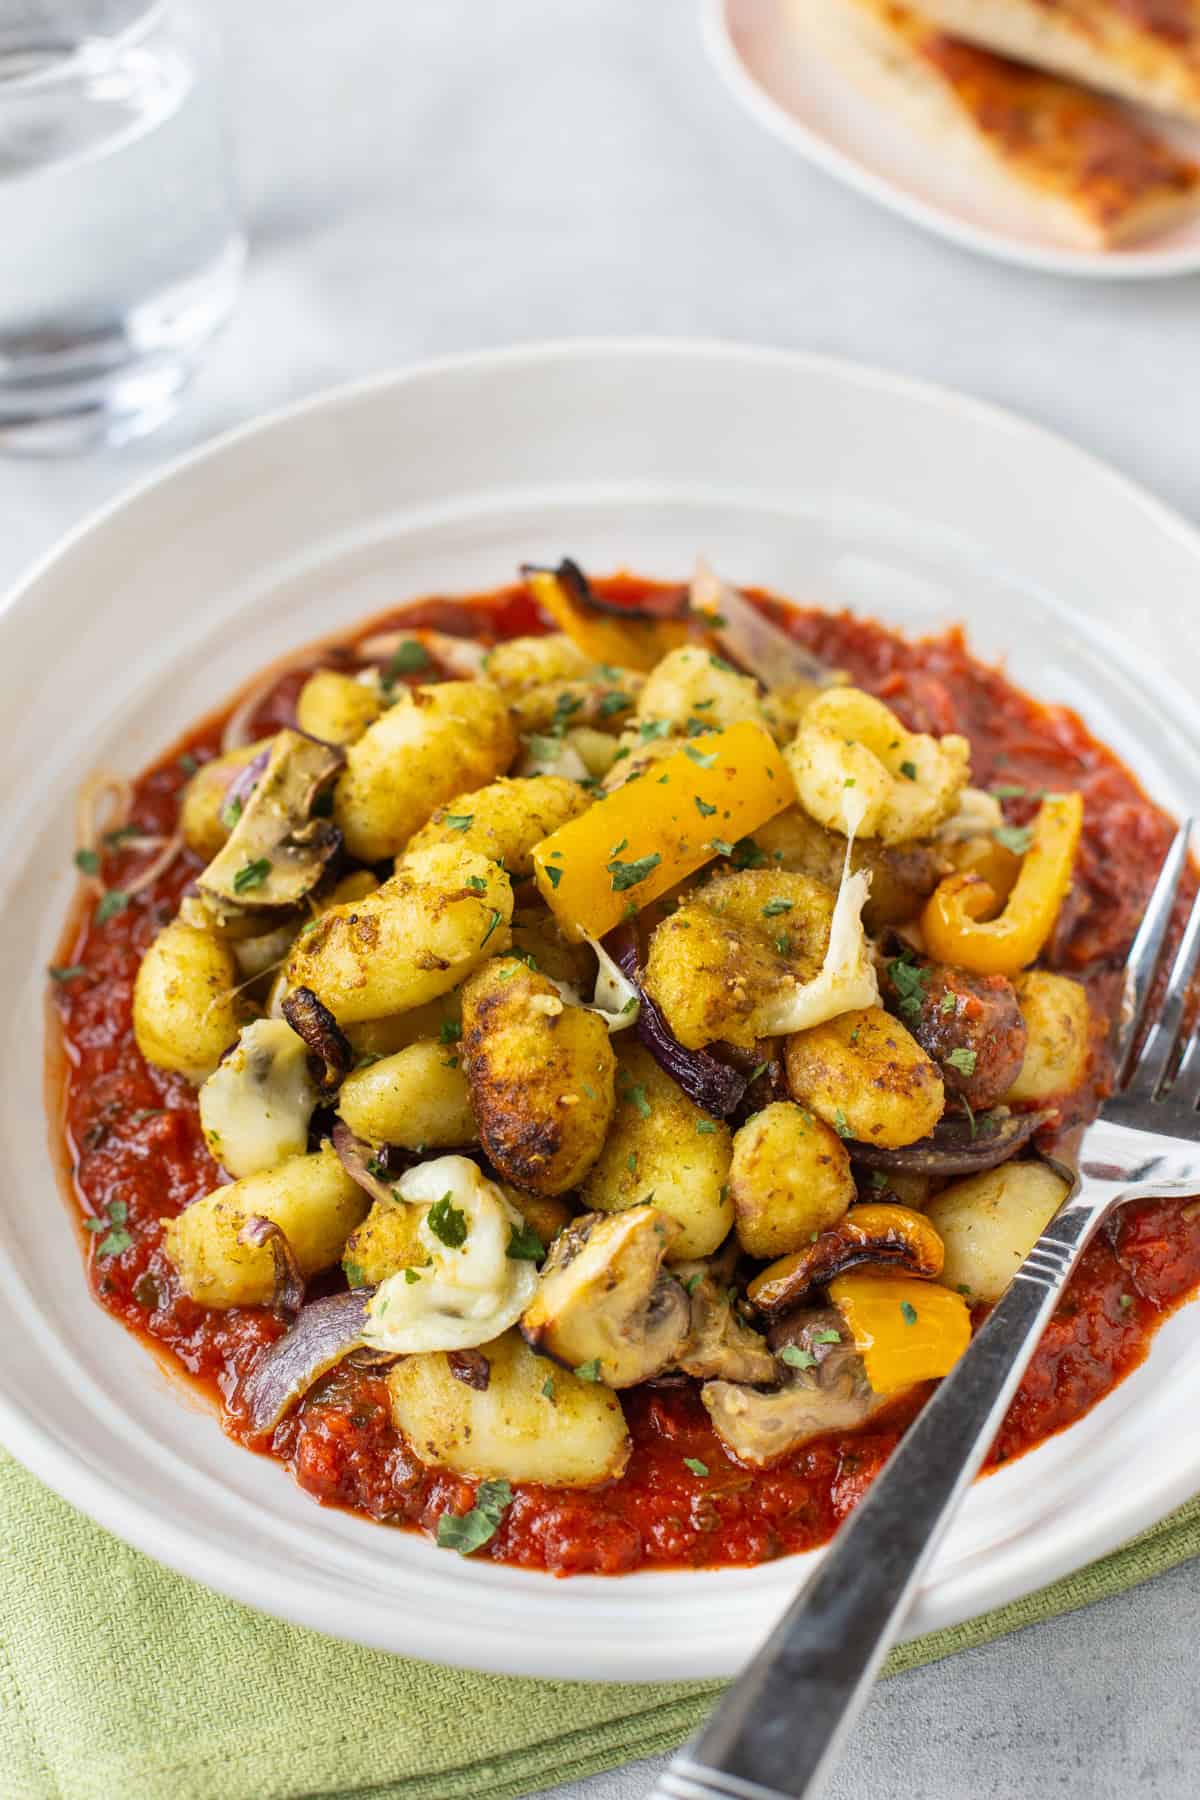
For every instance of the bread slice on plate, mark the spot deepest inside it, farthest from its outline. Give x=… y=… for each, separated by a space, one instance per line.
x=1085 y=168
x=1148 y=50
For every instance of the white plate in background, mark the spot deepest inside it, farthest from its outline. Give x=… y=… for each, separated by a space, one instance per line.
x=828 y=482
x=817 y=110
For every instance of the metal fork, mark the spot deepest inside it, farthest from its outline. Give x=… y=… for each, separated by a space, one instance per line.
x=780 y=1728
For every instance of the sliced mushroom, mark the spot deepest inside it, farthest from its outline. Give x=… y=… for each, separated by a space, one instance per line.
x=871 y=1233
x=822 y=1387
x=277 y=851
x=720 y=1345
x=330 y=1054
x=604 y=1299
x=958 y=1144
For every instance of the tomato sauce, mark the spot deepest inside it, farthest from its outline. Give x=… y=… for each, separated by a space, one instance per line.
x=130 y=1137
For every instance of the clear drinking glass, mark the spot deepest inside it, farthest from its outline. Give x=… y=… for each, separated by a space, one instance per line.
x=120 y=248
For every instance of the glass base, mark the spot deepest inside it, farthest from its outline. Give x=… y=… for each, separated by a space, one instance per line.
x=108 y=387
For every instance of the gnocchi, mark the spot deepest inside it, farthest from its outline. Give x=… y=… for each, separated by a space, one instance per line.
x=429 y=745
x=312 y=1200
x=185 y=1004
x=663 y=1149
x=854 y=764
x=419 y=935
x=417 y=1099
x=789 y=1179
x=989 y=1223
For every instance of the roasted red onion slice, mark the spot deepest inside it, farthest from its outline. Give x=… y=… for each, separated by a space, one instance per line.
x=748 y=636
x=287 y=1296
x=330 y=1055
x=707 y=1082
x=957 y=1146
x=325 y=1333
x=246 y=779
x=360 y=1162
x=471 y=1367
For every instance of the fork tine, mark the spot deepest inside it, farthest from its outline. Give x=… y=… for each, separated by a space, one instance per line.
x=1152 y=1065
x=1186 y=1088
x=1147 y=946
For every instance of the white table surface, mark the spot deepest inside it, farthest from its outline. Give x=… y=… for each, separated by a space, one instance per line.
x=438 y=175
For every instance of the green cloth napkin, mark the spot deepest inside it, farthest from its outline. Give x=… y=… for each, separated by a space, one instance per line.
x=120 y=1678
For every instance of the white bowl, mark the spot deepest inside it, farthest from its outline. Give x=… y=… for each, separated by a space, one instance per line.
x=827 y=482
x=814 y=108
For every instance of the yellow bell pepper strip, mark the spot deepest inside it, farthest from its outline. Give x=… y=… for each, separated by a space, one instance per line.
x=957 y=929
x=874 y=1232
x=632 y=644
x=904 y=1329
x=641 y=840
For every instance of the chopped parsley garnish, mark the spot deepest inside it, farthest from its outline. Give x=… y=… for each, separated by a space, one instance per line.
x=188 y=763
x=878 y=1181
x=616 y=849
x=87 y=862
x=548 y=1388
x=758 y=1069
x=636 y=1096
x=828 y=1336
x=773 y=908
x=908 y=979
x=784 y=946
x=1126 y=1302
x=718 y=662
x=949 y=1003
x=589 y=1371
x=553 y=875
x=850 y=782
x=629 y=874
x=252 y=875
x=692 y=1283
x=116 y=1237
x=909 y=770
x=1008 y=790
x=705 y=1127
x=1016 y=838
x=613 y=703
x=564 y=706
x=702 y=759
x=447 y=1222
x=458 y=821
x=962 y=1060
x=111 y=903
x=231 y=814
x=406 y=659
x=66 y=971
x=703 y=808
x=748 y=855
x=722 y=846
x=450 y=1031
x=496 y=919
x=695 y=1465
x=649 y=729
x=908 y=1312
x=524 y=1244
x=477 y=884
x=840 y=1125
x=470 y=1531
x=631 y=1162
x=797 y=1359
x=411 y=1275
x=354 y=1274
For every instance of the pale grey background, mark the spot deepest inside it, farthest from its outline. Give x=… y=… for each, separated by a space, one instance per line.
x=433 y=175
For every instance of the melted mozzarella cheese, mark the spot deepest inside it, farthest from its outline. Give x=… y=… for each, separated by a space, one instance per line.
x=846 y=979
x=465 y=1294
x=256 y=1104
